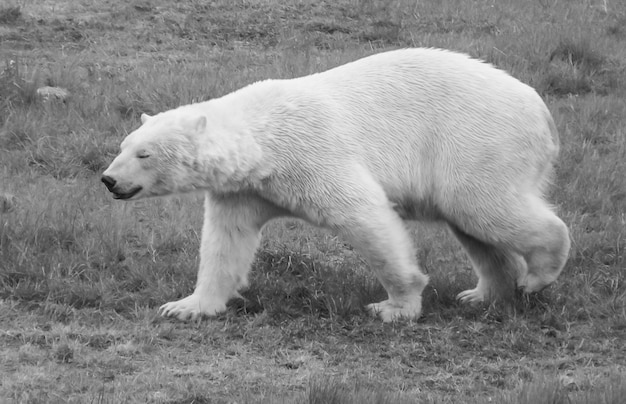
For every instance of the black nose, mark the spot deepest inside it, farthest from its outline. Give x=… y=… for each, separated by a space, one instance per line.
x=108 y=181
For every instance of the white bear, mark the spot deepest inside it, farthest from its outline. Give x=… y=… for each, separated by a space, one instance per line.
x=422 y=134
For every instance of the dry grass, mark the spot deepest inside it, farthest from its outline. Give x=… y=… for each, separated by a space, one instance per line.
x=81 y=275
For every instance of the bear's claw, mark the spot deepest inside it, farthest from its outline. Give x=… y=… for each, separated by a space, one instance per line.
x=471 y=296
x=192 y=308
x=390 y=311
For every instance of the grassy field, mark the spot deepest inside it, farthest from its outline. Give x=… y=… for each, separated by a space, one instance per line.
x=82 y=275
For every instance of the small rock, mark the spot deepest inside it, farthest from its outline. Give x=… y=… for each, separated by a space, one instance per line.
x=7 y=202
x=53 y=94
x=145 y=6
x=568 y=382
x=10 y=69
x=64 y=354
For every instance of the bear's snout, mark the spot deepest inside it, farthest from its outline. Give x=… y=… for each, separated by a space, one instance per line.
x=109 y=182
x=120 y=191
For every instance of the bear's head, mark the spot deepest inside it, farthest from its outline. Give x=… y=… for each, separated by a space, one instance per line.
x=158 y=158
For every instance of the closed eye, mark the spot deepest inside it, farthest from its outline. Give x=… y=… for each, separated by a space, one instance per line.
x=143 y=155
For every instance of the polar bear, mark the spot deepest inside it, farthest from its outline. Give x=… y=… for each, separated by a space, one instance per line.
x=420 y=134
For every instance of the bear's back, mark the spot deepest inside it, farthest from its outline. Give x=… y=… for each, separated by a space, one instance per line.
x=431 y=79
x=413 y=118
x=428 y=106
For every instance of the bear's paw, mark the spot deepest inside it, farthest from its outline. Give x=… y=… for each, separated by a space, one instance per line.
x=535 y=283
x=389 y=310
x=192 y=307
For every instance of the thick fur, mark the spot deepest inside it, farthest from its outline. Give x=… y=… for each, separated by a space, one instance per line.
x=421 y=134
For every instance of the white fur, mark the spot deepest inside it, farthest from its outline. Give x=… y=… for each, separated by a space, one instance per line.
x=412 y=134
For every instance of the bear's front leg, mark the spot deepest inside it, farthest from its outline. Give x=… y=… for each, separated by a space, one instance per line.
x=357 y=207
x=230 y=237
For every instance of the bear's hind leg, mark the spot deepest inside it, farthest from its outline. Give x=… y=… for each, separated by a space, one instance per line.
x=230 y=237
x=523 y=224
x=545 y=245
x=497 y=269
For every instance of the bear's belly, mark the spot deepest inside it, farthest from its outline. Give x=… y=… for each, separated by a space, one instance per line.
x=415 y=209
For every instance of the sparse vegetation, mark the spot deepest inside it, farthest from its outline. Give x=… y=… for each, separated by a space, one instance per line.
x=10 y=15
x=576 y=68
x=81 y=276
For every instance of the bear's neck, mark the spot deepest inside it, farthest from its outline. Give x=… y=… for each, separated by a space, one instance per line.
x=229 y=156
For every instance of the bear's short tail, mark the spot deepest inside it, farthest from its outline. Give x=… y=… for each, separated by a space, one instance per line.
x=554 y=133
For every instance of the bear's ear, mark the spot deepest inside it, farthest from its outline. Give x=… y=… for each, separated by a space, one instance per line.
x=144 y=118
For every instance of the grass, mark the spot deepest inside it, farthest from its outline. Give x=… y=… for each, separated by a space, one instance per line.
x=81 y=275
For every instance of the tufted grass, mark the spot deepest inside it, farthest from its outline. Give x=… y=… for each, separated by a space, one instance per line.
x=81 y=275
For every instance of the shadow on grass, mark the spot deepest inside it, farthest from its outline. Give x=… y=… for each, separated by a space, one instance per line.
x=289 y=285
